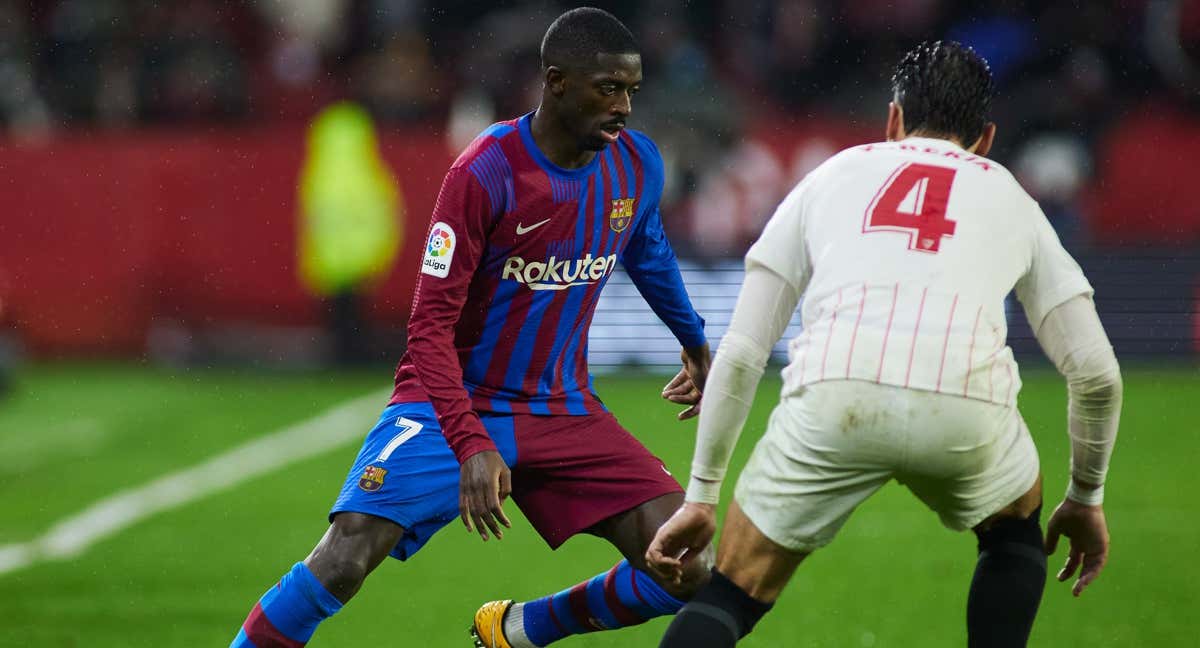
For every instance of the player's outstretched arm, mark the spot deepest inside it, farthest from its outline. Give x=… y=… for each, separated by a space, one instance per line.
x=651 y=264
x=1087 y=531
x=458 y=234
x=764 y=307
x=1074 y=340
x=765 y=304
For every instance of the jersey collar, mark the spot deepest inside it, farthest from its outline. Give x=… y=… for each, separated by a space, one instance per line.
x=523 y=125
x=931 y=141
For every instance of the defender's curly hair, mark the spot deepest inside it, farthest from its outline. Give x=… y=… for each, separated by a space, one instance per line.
x=944 y=88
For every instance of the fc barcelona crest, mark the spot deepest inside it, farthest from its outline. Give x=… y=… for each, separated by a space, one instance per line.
x=372 y=478
x=621 y=214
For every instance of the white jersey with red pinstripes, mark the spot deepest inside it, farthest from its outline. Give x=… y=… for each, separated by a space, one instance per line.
x=905 y=252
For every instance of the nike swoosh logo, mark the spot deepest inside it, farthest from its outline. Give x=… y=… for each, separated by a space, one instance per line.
x=525 y=230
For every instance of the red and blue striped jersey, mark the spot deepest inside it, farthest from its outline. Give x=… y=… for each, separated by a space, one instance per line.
x=517 y=254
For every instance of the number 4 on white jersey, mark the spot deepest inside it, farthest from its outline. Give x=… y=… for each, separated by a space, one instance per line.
x=913 y=201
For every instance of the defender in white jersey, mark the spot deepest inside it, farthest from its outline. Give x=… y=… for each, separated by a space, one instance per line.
x=904 y=252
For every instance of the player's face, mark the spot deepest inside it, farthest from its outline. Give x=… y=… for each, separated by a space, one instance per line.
x=597 y=100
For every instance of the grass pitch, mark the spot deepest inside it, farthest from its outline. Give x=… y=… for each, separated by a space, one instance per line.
x=74 y=434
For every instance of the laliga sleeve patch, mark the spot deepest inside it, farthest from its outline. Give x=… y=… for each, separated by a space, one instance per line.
x=439 y=250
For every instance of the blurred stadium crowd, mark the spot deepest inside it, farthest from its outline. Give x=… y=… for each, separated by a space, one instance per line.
x=119 y=62
x=1066 y=73
x=169 y=135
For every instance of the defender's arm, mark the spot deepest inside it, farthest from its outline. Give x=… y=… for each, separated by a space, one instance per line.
x=764 y=307
x=1072 y=337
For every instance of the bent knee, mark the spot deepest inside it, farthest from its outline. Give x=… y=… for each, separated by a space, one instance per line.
x=338 y=572
x=1010 y=539
x=352 y=547
x=1022 y=508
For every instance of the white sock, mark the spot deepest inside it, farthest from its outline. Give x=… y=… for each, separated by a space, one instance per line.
x=514 y=627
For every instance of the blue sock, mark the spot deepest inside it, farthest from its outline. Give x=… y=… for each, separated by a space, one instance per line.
x=288 y=614
x=618 y=598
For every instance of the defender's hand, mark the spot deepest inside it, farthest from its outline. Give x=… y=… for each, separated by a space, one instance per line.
x=484 y=483
x=681 y=540
x=1088 y=532
x=687 y=385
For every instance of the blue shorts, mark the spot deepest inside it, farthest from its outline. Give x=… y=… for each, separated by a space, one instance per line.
x=572 y=472
x=406 y=473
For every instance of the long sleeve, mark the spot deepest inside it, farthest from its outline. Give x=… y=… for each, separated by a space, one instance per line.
x=778 y=269
x=651 y=264
x=1074 y=340
x=457 y=239
x=764 y=307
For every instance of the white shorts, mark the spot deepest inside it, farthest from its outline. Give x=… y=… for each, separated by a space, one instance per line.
x=831 y=447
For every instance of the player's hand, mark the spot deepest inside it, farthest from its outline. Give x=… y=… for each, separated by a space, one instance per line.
x=484 y=483
x=1088 y=532
x=687 y=385
x=681 y=540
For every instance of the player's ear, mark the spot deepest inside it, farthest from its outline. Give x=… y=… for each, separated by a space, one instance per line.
x=895 y=122
x=984 y=144
x=556 y=80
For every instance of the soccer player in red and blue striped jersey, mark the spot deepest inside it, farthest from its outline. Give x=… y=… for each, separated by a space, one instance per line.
x=493 y=396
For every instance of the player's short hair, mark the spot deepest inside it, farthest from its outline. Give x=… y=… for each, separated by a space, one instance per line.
x=576 y=37
x=944 y=88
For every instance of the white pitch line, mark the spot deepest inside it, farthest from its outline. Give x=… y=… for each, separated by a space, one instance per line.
x=71 y=536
